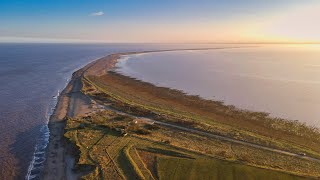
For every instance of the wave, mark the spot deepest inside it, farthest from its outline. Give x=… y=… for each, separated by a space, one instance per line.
x=39 y=156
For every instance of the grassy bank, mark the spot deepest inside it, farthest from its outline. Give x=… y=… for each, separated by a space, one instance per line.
x=162 y=153
x=173 y=106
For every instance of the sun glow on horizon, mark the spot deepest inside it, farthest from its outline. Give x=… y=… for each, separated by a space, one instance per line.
x=211 y=22
x=298 y=24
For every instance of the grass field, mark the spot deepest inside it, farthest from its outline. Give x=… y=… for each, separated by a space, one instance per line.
x=184 y=169
x=148 y=156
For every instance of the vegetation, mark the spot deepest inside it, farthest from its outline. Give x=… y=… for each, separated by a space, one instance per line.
x=112 y=142
x=144 y=99
x=173 y=168
x=109 y=155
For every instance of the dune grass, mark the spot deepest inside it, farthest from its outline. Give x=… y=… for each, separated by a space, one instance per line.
x=110 y=155
x=140 y=98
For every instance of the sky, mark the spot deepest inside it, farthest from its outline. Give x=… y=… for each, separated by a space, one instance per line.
x=160 y=21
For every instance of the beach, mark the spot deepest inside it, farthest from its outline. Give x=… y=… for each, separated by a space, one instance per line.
x=71 y=103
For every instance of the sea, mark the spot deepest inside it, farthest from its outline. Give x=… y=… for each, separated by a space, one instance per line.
x=283 y=80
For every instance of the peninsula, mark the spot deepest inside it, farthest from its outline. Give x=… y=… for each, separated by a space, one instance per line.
x=110 y=126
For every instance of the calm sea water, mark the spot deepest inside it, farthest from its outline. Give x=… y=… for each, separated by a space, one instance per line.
x=283 y=80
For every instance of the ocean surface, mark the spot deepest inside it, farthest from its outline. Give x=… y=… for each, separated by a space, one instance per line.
x=283 y=80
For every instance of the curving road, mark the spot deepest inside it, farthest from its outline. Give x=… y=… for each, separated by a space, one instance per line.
x=223 y=138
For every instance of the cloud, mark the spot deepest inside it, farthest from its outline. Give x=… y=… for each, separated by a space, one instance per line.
x=100 y=13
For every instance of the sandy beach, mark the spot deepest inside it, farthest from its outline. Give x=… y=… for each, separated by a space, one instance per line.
x=71 y=103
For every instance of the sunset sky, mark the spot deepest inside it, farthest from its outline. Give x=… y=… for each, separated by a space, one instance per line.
x=163 y=21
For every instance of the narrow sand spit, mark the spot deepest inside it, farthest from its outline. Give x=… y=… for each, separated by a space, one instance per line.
x=73 y=103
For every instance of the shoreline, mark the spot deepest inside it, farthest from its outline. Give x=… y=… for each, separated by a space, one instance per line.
x=56 y=154
x=72 y=103
x=244 y=87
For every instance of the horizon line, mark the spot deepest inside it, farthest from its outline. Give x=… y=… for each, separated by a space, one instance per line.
x=90 y=42
x=31 y=40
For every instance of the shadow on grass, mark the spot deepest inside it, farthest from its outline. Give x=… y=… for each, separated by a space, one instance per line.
x=167 y=152
x=126 y=166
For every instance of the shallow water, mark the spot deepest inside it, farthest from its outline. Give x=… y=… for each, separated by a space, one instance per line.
x=283 y=80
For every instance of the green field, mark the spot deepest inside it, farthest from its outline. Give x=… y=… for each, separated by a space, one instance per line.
x=179 y=168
